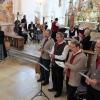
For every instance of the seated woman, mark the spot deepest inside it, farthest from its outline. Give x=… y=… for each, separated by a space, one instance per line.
x=3 y=52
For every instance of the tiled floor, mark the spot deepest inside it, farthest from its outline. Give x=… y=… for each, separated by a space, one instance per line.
x=18 y=81
x=32 y=48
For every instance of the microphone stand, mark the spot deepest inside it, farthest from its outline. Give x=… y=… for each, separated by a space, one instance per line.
x=41 y=93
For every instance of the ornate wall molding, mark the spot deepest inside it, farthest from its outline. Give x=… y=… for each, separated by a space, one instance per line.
x=6 y=11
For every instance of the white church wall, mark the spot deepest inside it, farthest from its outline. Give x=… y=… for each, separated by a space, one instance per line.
x=49 y=9
x=16 y=7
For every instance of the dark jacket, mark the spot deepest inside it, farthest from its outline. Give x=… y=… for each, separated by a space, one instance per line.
x=2 y=44
x=86 y=43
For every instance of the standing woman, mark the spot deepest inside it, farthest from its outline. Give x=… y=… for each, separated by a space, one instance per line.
x=3 y=53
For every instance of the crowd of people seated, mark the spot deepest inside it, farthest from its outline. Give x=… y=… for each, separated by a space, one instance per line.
x=33 y=30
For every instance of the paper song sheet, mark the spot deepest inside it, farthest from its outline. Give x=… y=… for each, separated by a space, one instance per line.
x=84 y=75
x=61 y=64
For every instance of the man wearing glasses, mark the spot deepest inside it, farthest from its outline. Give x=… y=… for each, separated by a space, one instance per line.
x=58 y=53
x=76 y=63
x=93 y=90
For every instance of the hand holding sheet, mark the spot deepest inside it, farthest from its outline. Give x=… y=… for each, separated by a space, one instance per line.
x=84 y=75
x=61 y=64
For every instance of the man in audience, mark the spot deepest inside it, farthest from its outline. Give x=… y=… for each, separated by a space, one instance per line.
x=75 y=63
x=93 y=90
x=46 y=47
x=58 y=53
x=31 y=28
x=24 y=22
x=21 y=33
x=54 y=28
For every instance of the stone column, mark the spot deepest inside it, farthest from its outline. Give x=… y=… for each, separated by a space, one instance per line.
x=71 y=14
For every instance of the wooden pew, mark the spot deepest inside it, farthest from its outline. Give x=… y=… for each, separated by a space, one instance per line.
x=15 y=41
x=89 y=54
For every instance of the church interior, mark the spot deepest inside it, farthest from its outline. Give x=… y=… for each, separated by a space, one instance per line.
x=19 y=67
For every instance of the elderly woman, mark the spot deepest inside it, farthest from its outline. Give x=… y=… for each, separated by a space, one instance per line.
x=86 y=44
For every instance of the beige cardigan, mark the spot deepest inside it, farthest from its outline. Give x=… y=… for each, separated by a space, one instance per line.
x=79 y=64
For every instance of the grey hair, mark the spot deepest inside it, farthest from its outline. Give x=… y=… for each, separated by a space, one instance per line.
x=60 y=33
x=76 y=43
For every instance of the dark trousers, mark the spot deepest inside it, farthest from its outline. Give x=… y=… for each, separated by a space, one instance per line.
x=25 y=37
x=71 y=92
x=44 y=73
x=67 y=79
x=92 y=94
x=57 y=78
x=31 y=31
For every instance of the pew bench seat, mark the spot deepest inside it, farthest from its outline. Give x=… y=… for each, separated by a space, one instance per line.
x=15 y=41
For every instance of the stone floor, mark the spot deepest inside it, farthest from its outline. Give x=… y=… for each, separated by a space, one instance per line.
x=18 y=80
x=32 y=48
